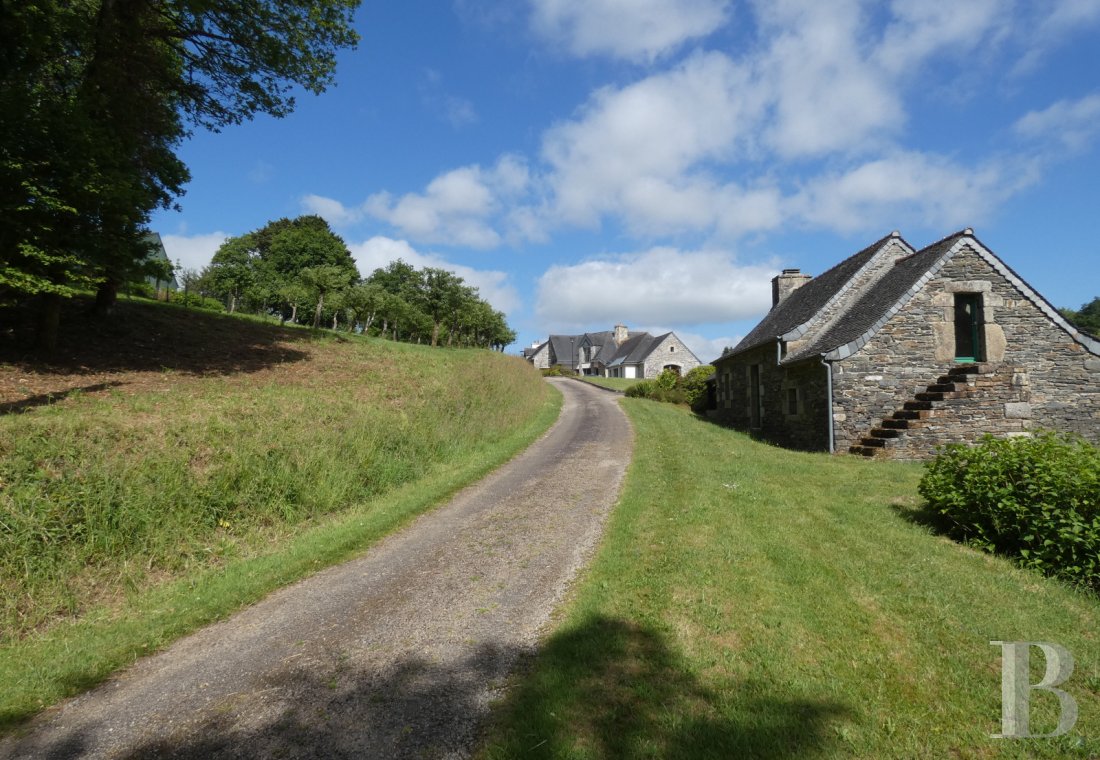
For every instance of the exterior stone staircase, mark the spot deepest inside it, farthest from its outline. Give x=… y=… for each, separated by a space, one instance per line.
x=959 y=387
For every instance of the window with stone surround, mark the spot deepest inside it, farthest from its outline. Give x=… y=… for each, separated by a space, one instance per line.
x=792 y=402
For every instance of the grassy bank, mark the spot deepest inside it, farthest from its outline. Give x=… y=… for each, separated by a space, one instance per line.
x=614 y=383
x=160 y=500
x=749 y=601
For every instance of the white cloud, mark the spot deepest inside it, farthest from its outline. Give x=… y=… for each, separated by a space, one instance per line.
x=1069 y=124
x=911 y=186
x=920 y=29
x=636 y=151
x=494 y=286
x=630 y=29
x=460 y=207
x=662 y=285
x=193 y=251
x=825 y=93
x=332 y=211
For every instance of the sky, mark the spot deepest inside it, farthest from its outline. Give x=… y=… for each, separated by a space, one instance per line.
x=656 y=162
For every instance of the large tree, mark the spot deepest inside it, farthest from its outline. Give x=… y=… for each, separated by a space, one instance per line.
x=95 y=97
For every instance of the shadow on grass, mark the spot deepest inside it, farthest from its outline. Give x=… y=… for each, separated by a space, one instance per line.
x=145 y=336
x=45 y=399
x=612 y=688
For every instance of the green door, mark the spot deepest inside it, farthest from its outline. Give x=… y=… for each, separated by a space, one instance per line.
x=968 y=333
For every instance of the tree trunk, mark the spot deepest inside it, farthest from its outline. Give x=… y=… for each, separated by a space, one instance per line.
x=294 y=312
x=334 y=321
x=106 y=297
x=49 y=321
x=317 y=314
x=435 y=334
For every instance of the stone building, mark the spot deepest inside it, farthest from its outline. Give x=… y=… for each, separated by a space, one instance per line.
x=894 y=351
x=615 y=353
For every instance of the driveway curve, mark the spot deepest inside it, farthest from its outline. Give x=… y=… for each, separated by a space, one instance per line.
x=395 y=654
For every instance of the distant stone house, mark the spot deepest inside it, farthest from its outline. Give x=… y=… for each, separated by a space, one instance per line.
x=894 y=351
x=158 y=254
x=538 y=354
x=615 y=353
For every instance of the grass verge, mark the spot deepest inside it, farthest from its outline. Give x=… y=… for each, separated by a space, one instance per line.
x=614 y=383
x=749 y=601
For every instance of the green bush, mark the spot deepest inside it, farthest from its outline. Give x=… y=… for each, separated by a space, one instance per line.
x=1036 y=499
x=558 y=370
x=654 y=390
x=695 y=386
x=195 y=301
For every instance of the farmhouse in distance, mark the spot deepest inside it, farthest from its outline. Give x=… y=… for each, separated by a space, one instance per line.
x=614 y=353
x=895 y=351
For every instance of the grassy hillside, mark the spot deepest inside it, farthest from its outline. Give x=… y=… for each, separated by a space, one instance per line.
x=750 y=601
x=175 y=450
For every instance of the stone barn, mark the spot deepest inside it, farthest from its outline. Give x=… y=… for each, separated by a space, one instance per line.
x=895 y=351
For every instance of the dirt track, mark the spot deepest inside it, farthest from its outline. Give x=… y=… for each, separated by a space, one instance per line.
x=395 y=654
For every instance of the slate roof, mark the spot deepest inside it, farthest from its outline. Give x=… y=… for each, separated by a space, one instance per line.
x=872 y=307
x=563 y=351
x=869 y=310
x=532 y=350
x=804 y=304
x=633 y=350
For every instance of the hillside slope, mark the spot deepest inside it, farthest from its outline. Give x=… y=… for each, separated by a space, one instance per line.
x=170 y=447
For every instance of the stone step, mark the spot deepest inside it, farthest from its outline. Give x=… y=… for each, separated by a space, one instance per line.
x=875 y=442
x=900 y=423
x=917 y=406
x=965 y=369
x=885 y=431
x=865 y=451
x=913 y=414
x=942 y=387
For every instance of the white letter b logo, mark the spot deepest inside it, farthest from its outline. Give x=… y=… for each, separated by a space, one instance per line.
x=1016 y=691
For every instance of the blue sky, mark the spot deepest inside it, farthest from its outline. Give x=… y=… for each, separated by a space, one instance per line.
x=655 y=162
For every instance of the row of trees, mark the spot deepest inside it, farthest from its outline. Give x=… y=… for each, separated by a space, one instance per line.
x=301 y=270
x=1086 y=318
x=95 y=99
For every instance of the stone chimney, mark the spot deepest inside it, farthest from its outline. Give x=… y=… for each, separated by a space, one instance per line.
x=621 y=334
x=788 y=282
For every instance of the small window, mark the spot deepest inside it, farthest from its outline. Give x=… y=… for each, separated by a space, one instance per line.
x=792 y=401
x=672 y=349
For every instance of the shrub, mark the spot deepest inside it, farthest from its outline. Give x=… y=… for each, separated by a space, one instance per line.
x=1036 y=499
x=557 y=370
x=195 y=301
x=695 y=386
x=667 y=380
x=641 y=389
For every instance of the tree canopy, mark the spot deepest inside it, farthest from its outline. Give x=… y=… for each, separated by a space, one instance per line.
x=1086 y=318
x=95 y=98
x=299 y=267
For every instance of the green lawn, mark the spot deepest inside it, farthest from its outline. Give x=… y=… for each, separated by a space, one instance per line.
x=615 y=383
x=753 y=602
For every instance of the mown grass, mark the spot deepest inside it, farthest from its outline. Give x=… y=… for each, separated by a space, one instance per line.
x=128 y=519
x=614 y=383
x=753 y=602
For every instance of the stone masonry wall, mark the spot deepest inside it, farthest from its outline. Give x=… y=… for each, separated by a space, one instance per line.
x=806 y=428
x=670 y=351
x=1042 y=376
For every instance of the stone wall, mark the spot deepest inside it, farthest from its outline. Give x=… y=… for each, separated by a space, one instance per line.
x=671 y=350
x=803 y=425
x=1059 y=380
x=541 y=359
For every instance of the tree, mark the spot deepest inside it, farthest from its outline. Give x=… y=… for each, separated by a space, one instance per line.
x=231 y=271
x=1087 y=318
x=94 y=97
x=440 y=291
x=321 y=281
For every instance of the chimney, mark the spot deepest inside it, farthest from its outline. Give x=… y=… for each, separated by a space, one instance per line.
x=788 y=282
x=621 y=334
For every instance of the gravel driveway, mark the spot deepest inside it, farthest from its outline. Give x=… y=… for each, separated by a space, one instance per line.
x=395 y=654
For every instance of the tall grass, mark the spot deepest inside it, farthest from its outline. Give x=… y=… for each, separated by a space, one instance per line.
x=754 y=602
x=102 y=496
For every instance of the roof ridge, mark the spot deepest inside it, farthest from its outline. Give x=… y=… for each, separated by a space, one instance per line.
x=966 y=232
